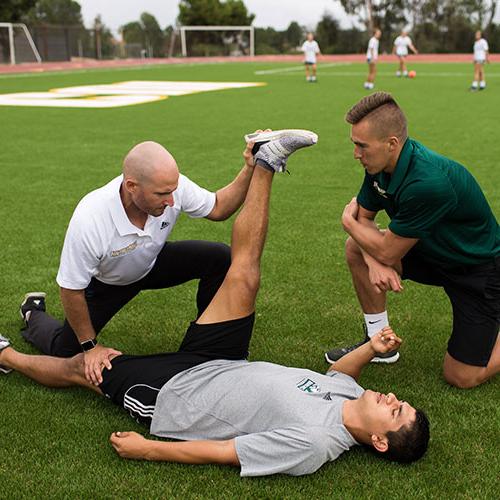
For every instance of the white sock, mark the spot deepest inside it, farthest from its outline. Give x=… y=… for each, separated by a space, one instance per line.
x=482 y=84
x=474 y=84
x=375 y=322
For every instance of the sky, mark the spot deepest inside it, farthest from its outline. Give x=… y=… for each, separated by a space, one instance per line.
x=275 y=13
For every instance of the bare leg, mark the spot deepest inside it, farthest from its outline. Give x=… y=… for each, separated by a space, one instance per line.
x=307 y=71
x=372 y=72
x=466 y=376
x=48 y=370
x=236 y=296
x=314 y=70
x=371 y=302
x=477 y=72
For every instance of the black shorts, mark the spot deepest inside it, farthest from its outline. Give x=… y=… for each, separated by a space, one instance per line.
x=474 y=293
x=135 y=381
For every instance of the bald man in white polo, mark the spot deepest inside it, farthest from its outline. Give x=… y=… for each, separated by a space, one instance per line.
x=116 y=245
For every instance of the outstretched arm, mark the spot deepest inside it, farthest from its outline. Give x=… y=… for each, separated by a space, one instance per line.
x=353 y=363
x=133 y=445
x=231 y=197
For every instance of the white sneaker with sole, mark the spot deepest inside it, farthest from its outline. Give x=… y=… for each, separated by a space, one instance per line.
x=4 y=342
x=273 y=148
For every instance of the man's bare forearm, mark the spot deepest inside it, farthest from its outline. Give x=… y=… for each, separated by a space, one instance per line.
x=192 y=452
x=371 y=241
x=352 y=364
x=230 y=198
x=77 y=313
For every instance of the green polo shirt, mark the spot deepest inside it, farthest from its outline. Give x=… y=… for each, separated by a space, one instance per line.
x=438 y=201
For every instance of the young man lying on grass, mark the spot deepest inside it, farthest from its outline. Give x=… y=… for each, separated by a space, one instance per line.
x=262 y=417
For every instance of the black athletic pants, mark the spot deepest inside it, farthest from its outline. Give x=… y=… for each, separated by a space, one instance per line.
x=178 y=262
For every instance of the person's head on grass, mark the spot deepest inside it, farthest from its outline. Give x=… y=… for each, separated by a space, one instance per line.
x=150 y=177
x=379 y=131
x=391 y=427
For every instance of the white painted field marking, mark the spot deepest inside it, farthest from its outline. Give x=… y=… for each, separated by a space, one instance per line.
x=117 y=94
x=297 y=68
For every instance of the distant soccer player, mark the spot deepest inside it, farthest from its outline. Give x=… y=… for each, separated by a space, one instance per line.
x=371 y=58
x=401 y=45
x=311 y=49
x=480 y=57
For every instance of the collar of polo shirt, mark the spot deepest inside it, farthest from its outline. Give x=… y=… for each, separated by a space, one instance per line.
x=401 y=167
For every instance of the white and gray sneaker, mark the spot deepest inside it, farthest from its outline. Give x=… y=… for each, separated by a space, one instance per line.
x=273 y=148
x=4 y=342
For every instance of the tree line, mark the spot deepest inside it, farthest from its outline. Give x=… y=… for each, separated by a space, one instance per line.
x=435 y=25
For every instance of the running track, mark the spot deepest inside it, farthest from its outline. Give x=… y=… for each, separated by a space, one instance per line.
x=296 y=59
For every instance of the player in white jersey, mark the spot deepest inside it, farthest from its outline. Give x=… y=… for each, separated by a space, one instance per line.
x=401 y=45
x=371 y=58
x=480 y=57
x=311 y=49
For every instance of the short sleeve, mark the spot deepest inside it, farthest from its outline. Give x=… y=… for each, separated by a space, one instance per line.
x=294 y=450
x=194 y=200
x=80 y=255
x=367 y=197
x=422 y=205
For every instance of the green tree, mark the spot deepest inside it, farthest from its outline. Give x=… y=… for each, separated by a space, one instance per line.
x=61 y=12
x=147 y=33
x=327 y=33
x=154 y=36
x=214 y=12
x=13 y=11
x=294 y=35
x=103 y=39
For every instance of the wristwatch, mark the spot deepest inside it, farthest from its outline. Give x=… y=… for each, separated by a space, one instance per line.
x=87 y=345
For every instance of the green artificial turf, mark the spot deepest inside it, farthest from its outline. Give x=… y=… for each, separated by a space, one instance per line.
x=53 y=443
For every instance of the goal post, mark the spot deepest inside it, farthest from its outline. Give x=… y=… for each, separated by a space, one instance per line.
x=250 y=29
x=12 y=36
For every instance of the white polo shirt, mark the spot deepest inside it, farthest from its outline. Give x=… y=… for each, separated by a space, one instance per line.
x=480 y=49
x=101 y=241
x=402 y=43
x=310 y=50
x=372 y=51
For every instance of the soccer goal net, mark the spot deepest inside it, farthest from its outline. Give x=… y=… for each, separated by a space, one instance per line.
x=16 y=44
x=217 y=40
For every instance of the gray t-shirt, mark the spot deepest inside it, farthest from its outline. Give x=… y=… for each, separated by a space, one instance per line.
x=284 y=420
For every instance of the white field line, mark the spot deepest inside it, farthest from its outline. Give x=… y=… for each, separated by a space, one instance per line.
x=386 y=73
x=296 y=68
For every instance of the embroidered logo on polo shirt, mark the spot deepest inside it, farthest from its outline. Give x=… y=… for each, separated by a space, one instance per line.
x=380 y=191
x=164 y=224
x=308 y=385
x=124 y=250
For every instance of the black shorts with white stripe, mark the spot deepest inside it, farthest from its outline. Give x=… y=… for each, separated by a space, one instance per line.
x=135 y=381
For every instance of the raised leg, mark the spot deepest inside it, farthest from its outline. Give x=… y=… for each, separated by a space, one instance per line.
x=236 y=296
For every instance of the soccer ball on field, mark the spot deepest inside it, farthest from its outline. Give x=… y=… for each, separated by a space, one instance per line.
x=412 y=74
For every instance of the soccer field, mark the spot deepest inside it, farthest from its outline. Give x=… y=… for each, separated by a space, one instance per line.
x=53 y=443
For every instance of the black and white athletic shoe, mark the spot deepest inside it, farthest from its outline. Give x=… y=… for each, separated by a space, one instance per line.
x=4 y=342
x=335 y=354
x=272 y=148
x=260 y=138
x=32 y=301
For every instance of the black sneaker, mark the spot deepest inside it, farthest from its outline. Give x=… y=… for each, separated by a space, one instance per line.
x=32 y=301
x=4 y=342
x=335 y=354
